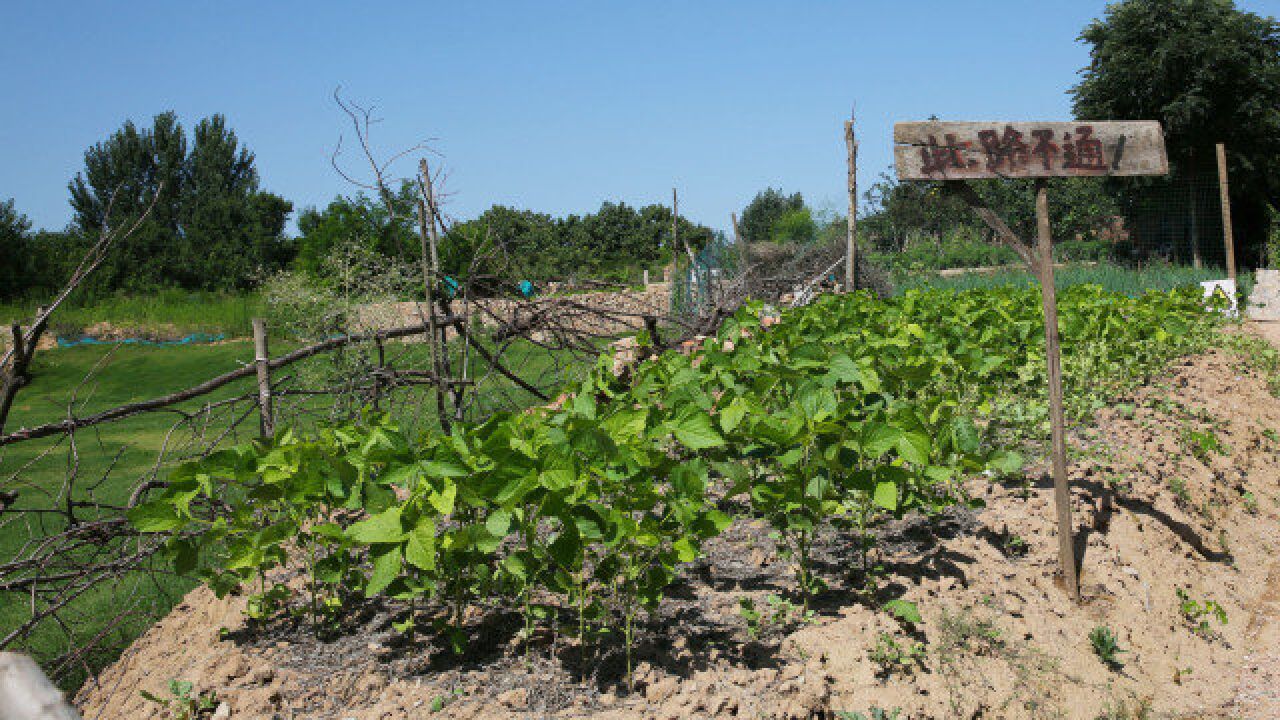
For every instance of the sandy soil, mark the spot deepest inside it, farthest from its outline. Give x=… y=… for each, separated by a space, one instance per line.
x=1154 y=513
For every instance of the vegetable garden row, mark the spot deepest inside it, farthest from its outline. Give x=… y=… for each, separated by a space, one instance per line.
x=846 y=412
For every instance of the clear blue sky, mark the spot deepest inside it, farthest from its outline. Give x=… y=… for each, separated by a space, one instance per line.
x=554 y=106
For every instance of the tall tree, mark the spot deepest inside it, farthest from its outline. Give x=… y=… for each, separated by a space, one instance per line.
x=210 y=228
x=764 y=211
x=1210 y=73
x=14 y=251
x=360 y=219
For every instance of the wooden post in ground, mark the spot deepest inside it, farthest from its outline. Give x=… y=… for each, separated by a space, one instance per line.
x=1196 y=260
x=851 y=240
x=261 y=360
x=377 y=374
x=739 y=241
x=1057 y=421
x=426 y=233
x=1228 y=238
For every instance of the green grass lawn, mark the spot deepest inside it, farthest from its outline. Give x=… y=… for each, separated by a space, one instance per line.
x=170 y=310
x=129 y=373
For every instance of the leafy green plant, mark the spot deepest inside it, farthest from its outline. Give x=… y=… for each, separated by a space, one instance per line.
x=875 y=712
x=847 y=414
x=1106 y=646
x=1197 y=614
x=1202 y=444
x=779 y=613
x=892 y=656
x=180 y=704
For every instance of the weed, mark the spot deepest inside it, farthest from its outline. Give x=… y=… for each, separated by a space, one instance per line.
x=1178 y=485
x=1135 y=708
x=780 y=614
x=180 y=704
x=893 y=657
x=1202 y=444
x=1106 y=646
x=875 y=712
x=1197 y=614
x=1250 y=503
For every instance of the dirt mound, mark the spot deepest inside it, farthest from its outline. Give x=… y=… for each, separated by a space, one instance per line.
x=1176 y=498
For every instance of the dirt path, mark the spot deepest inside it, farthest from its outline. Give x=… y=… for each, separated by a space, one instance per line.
x=1258 y=695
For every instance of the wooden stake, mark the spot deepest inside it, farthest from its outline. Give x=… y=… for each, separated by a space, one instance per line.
x=261 y=358
x=737 y=240
x=427 y=236
x=1228 y=238
x=1057 y=421
x=851 y=240
x=1196 y=261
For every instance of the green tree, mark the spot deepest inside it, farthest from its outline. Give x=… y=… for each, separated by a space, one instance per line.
x=764 y=211
x=14 y=251
x=211 y=227
x=393 y=233
x=1209 y=73
x=795 y=226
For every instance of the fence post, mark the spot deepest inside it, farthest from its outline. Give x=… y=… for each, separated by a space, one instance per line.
x=851 y=251
x=1228 y=238
x=1057 y=422
x=261 y=359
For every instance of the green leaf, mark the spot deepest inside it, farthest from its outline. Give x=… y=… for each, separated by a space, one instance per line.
x=914 y=447
x=1005 y=461
x=443 y=500
x=498 y=522
x=694 y=431
x=386 y=568
x=886 y=495
x=732 y=414
x=381 y=528
x=420 y=551
x=686 y=551
x=155 y=516
x=907 y=612
x=878 y=439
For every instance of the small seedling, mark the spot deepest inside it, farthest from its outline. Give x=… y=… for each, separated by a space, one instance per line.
x=439 y=702
x=1178 y=485
x=780 y=613
x=875 y=712
x=1197 y=614
x=181 y=704
x=1202 y=444
x=892 y=657
x=1106 y=646
x=1250 y=503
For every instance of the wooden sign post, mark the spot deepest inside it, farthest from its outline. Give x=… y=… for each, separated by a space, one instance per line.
x=937 y=150
x=851 y=236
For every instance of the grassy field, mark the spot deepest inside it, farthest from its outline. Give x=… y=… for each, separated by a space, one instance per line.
x=1130 y=281
x=134 y=372
x=171 y=311
x=130 y=373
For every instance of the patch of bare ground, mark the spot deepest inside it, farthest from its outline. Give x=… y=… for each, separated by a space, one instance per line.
x=1176 y=489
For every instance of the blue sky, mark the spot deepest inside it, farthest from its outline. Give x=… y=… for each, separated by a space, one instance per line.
x=554 y=106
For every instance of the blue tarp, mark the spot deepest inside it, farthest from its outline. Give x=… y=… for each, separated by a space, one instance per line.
x=192 y=339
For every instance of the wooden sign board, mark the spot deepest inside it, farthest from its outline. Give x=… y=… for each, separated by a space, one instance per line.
x=936 y=150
